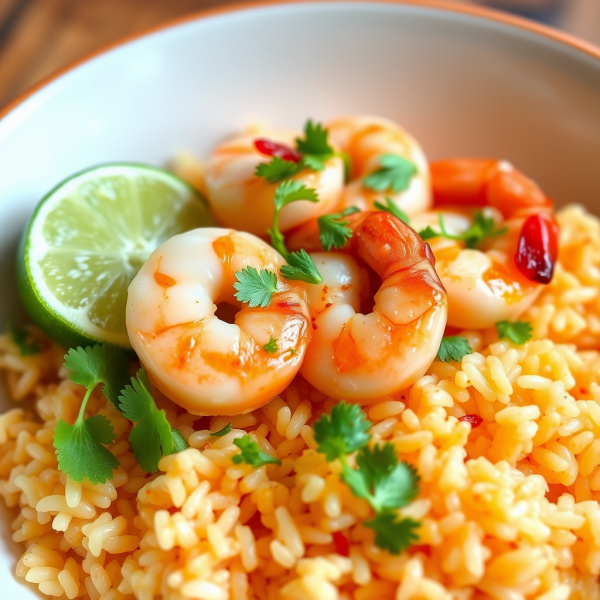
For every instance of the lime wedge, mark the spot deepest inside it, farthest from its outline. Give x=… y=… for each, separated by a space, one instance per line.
x=87 y=240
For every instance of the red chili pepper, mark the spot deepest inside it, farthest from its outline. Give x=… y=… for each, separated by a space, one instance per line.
x=538 y=248
x=475 y=420
x=341 y=543
x=270 y=148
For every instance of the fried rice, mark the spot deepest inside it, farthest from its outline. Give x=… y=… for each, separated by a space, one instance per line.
x=508 y=503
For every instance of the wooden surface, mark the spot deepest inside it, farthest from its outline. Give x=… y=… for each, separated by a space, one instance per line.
x=37 y=37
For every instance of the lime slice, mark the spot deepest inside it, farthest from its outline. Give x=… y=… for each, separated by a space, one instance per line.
x=87 y=240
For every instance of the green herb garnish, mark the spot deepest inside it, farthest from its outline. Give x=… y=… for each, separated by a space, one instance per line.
x=151 y=437
x=453 y=347
x=390 y=207
x=255 y=287
x=394 y=175
x=481 y=229
x=251 y=454
x=518 y=332
x=392 y=534
x=301 y=267
x=380 y=478
x=333 y=230
x=271 y=346
x=223 y=431
x=81 y=447
x=300 y=264
x=278 y=169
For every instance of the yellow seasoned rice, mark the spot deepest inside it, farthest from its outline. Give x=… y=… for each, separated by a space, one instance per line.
x=509 y=510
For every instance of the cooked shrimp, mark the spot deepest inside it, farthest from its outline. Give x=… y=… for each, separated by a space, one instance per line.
x=499 y=280
x=364 y=356
x=240 y=199
x=204 y=364
x=366 y=140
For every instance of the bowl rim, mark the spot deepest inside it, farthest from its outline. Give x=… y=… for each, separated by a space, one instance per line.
x=496 y=16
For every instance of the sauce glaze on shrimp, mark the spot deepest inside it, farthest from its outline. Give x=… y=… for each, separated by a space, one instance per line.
x=204 y=364
x=364 y=356
x=499 y=280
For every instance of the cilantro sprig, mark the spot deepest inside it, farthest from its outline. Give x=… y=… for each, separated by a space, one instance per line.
x=255 y=287
x=390 y=207
x=392 y=534
x=152 y=436
x=271 y=346
x=315 y=150
x=224 y=431
x=482 y=228
x=251 y=454
x=300 y=265
x=453 y=348
x=332 y=229
x=24 y=341
x=518 y=332
x=394 y=174
x=81 y=447
x=380 y=478
x=344 y=432
x=314 y=146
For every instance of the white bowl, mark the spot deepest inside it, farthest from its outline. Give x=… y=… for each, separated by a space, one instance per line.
x=463 y=81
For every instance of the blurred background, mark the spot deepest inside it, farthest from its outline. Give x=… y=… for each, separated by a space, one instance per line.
x=38 y=37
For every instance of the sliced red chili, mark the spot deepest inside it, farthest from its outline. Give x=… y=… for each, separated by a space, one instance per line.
x=270 y=148
x=341 y=543
x=538 y=248
x=475 y=420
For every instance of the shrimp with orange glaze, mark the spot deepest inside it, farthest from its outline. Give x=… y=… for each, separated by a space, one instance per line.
x=241 y=199
x=205 y=364
x=387 y=162
x=365 y=355
x=503 y=276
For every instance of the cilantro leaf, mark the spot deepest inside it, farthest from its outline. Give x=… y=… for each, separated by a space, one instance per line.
x=333 y=230
x=151 y=432
x=381 y=479
x=301 y=267
x=255 y=287
x=80 y=450
x=344 y=432
x=24 y=341
x=518 y=332
x=179 y=443
x=428 y=233
x=394 y=175
x=453 y=347
x=278 y=169
x=291 y=191
x=390 y=207
x=271 y=346
x=80 y=447
x=99 y=364
x=391 y=534
x=223 y=431
x=314 y=141
x=251 y=454
x=316 y=163
x=481 y=228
